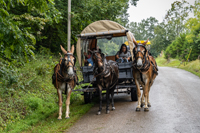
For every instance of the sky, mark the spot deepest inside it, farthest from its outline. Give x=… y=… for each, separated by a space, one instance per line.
x=148 y=8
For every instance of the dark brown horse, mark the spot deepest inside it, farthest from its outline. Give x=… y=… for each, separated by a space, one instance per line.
x=106 y=74
x=144 y=73
x=64 y=79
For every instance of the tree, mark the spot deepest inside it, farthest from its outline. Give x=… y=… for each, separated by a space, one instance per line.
x=144 y=29
x=21 y=23
x=189 y=39
x=177 y=16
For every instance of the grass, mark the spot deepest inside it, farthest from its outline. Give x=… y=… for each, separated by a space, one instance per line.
x=51 y=124
x=28 y=100
x=192 y=66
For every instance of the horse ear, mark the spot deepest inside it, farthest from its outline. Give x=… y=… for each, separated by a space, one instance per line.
x=144 y=43
x=135 y=42
x=72 y=49
x=63 y=50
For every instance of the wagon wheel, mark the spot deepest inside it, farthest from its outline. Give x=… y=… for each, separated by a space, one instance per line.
x=134 y=94
x=87 y=97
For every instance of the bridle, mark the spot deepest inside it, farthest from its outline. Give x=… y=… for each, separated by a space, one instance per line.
x=97 y=57
x=145 y=62
x=95 y=71
x=68 y=61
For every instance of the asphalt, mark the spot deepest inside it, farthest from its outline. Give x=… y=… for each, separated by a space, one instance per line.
x=175 y=108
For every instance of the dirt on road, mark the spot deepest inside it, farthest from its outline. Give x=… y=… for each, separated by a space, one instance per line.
x=175 y=100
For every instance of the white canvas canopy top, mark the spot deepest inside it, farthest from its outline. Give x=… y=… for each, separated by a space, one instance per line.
x=104 y=28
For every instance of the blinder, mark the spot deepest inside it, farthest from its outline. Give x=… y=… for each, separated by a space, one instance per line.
x=68 y=57
x=138 y=49
x=69 y=60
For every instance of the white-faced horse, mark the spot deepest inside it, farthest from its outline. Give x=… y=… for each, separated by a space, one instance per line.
x=64 y=78
x=144 y=73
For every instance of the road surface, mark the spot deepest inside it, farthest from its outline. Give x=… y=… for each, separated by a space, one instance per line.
x=175 y=101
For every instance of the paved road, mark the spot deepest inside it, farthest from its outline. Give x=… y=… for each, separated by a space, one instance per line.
x=175 y=100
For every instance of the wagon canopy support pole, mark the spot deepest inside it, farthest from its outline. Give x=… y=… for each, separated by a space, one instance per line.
x=69 y=25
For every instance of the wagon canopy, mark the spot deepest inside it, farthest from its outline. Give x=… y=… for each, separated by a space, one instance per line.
x=103 y=28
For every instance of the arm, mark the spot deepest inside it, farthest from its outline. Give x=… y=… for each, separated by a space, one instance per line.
x=117 y=55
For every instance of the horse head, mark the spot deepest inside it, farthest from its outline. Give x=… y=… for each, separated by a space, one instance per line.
x=140 y=53
x=98 y=59
x=68 y=63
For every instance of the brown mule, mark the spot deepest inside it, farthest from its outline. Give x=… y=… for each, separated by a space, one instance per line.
x=107 y=74
x=64 y=79
x=144 y=73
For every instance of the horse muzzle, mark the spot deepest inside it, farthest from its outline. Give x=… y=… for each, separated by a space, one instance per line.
x=139 y=63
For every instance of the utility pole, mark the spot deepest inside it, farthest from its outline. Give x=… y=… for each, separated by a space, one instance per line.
x=69 y=26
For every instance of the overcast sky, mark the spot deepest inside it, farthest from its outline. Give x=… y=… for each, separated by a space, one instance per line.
x=148 y=8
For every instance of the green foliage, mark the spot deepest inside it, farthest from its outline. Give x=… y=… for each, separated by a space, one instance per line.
x=193 y=66
x=187 y=45
x=176 y=16
x=32 y=97
x=144 y=29
x=20 y=28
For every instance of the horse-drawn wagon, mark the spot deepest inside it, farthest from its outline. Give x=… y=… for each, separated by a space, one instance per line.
x=107 y=36
x=99 y=42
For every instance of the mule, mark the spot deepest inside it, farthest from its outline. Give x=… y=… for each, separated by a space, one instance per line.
x=64 y=79
x=107 y=75
x=144 y=72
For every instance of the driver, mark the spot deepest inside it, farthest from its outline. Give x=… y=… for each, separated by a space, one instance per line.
x=123 y=55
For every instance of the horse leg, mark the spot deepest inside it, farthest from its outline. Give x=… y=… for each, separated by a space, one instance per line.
x=108 y=100
x=112 y=97
x=60 y=103
x=142 y=99
x=146 y=93
x=138 y=94
x=148 y=102
x=68 y=101
x=100 y=100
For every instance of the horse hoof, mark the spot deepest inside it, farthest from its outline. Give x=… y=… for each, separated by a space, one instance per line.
x=67 y=117
x=98 y=113
x=107 y=111
x=146 y=109
x=113 y=108
x=142 y=104
x=149 y=105
x=138 y=109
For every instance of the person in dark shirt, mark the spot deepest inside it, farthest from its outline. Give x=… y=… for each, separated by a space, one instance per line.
x=123 y=55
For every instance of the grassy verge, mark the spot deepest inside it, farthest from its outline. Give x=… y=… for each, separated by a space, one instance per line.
x=51 y=124
x=28 y=100
x=192 y=66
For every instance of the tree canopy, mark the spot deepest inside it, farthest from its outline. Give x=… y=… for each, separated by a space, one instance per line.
x=28 y=25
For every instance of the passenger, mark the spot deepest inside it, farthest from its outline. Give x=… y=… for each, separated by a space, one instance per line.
x=88 y=57
x=123 y=55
